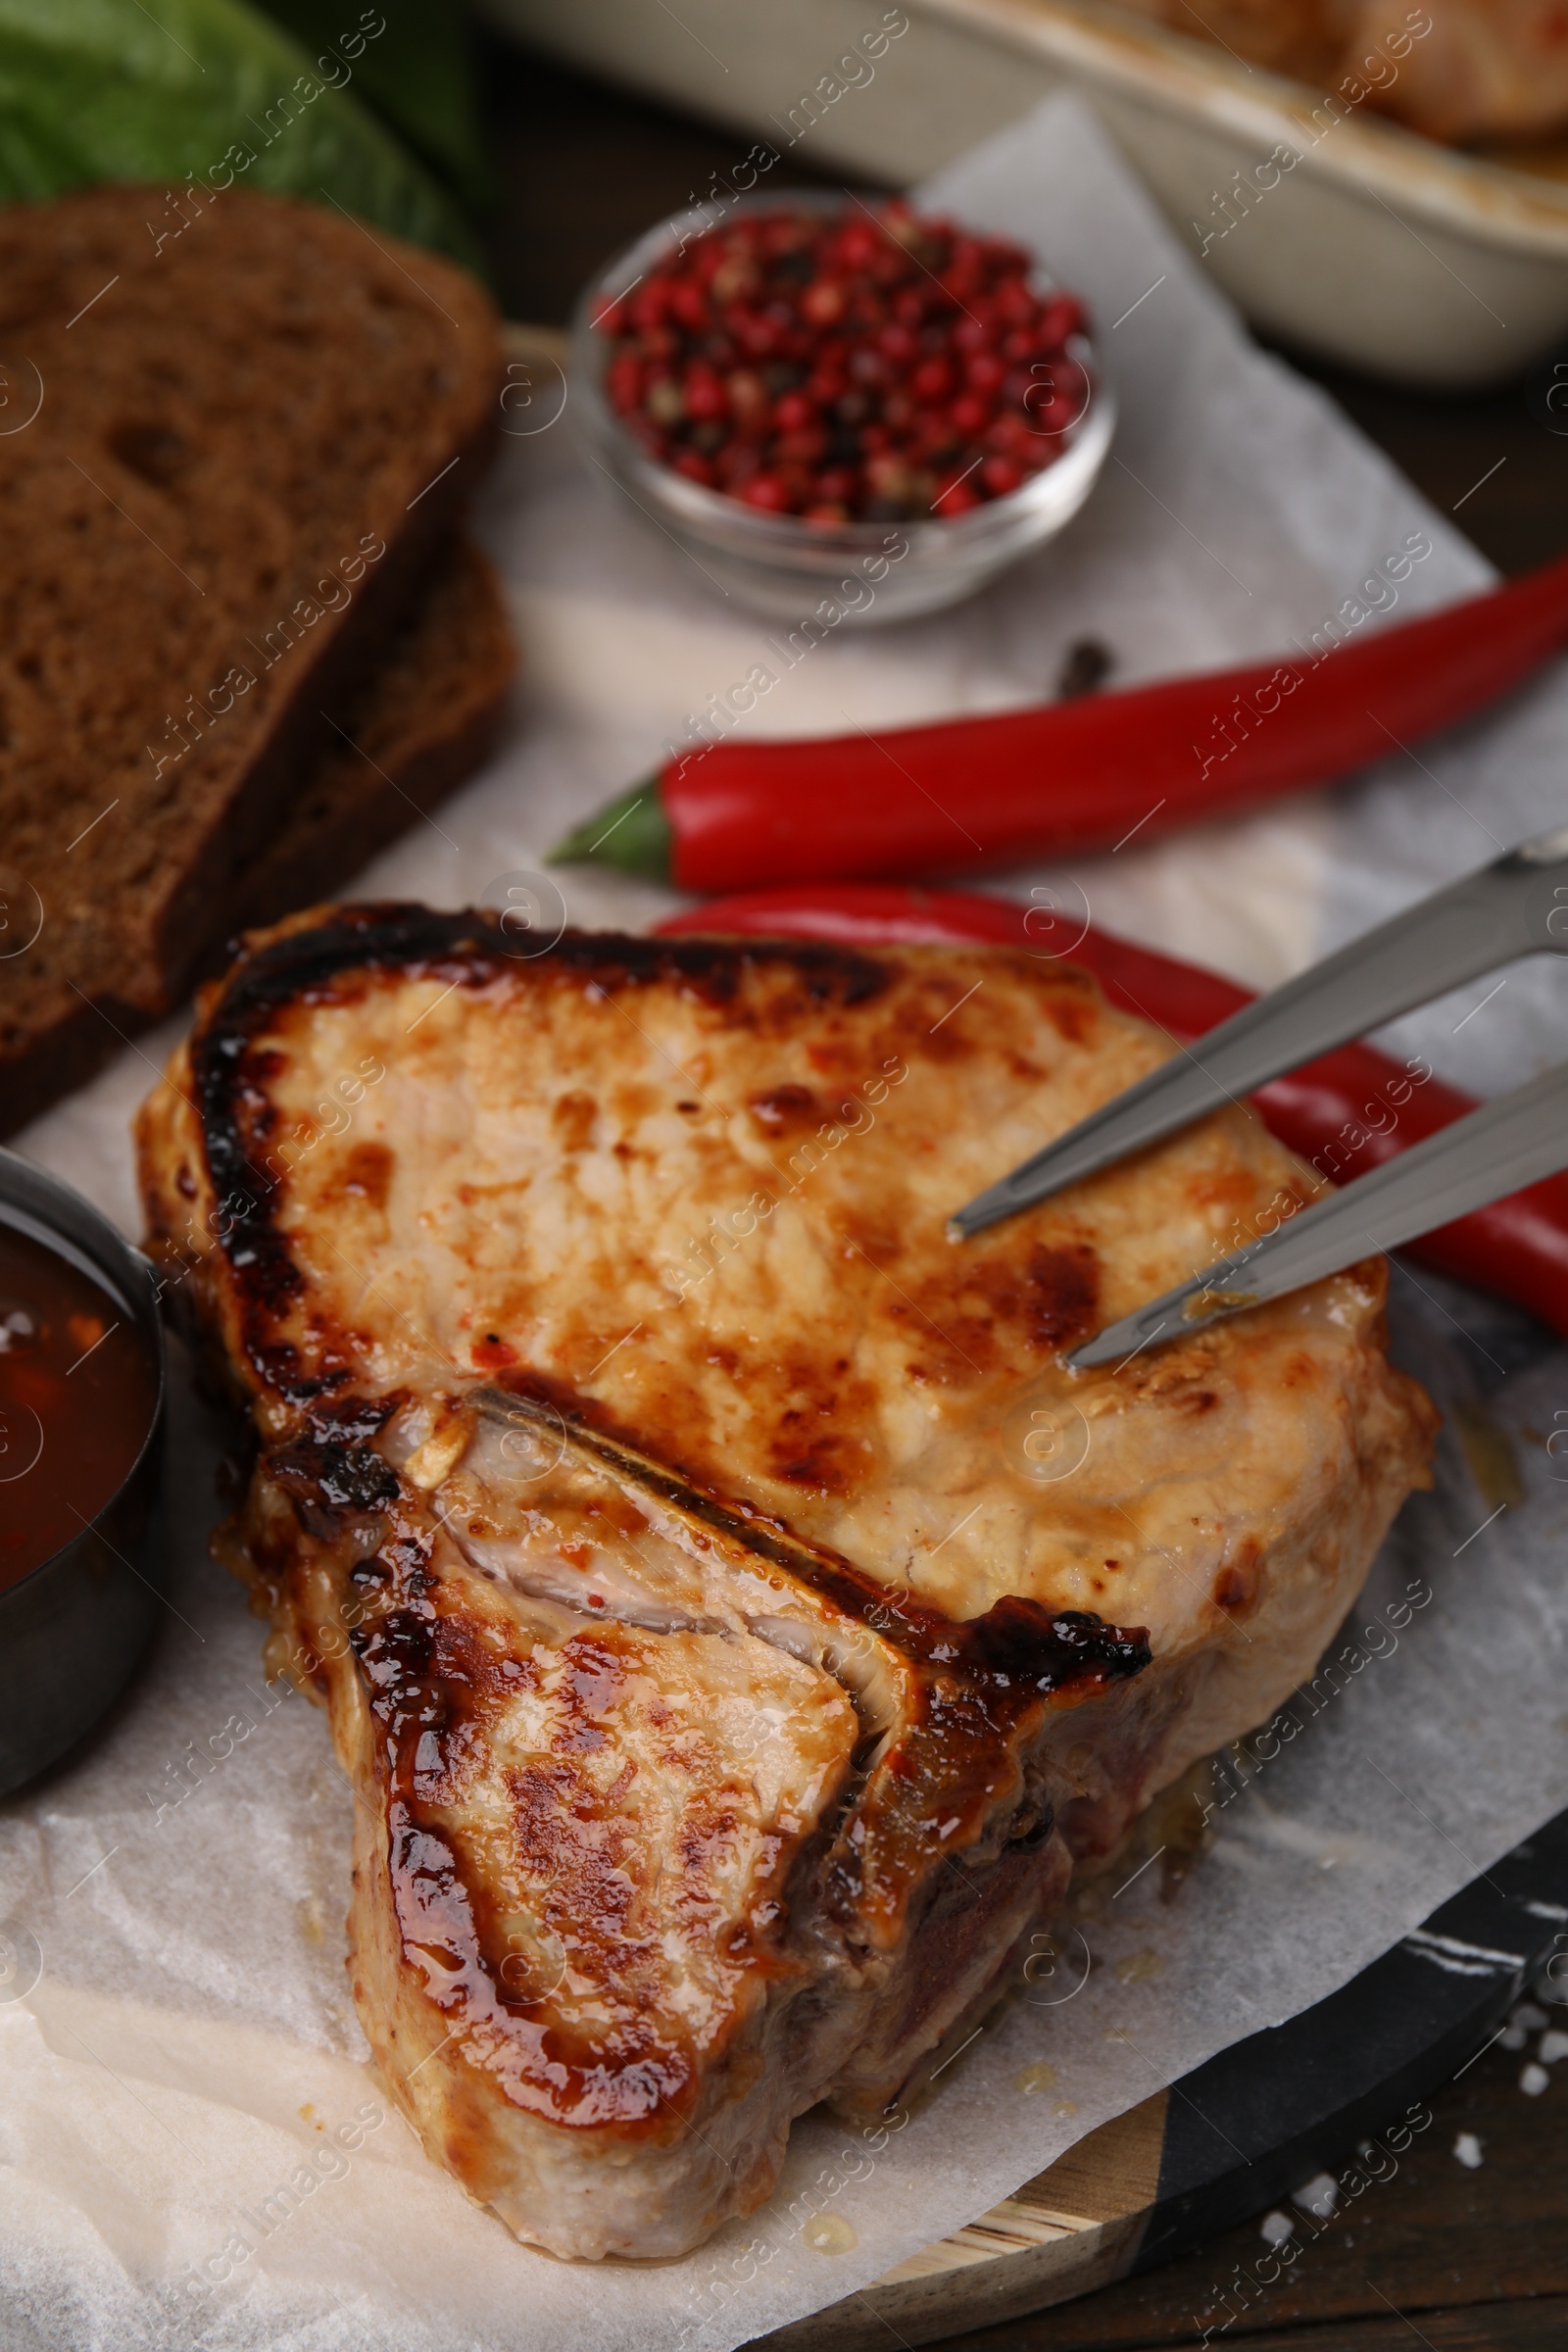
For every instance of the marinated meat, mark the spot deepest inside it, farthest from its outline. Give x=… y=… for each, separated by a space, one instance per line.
x=733 y=1615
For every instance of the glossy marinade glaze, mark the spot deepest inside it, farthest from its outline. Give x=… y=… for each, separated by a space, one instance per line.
x=696 y=1553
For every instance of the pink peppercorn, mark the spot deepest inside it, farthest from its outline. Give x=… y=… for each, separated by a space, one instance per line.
x=866 y=367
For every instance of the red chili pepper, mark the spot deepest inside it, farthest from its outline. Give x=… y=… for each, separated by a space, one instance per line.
x=1346 y=1112
x=1077 y=775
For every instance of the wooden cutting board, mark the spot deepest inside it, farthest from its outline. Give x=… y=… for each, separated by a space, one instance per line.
x=1241 y=2133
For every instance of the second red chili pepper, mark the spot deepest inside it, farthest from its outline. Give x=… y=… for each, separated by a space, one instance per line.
x=1346 y=1112
x=1077 y=775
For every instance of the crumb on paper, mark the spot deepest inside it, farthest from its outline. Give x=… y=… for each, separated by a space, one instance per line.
x=1086 y=665
x=1139 y=1968
x=1317 y=2196
x=1534 y=2080
x=1468 y=2150
x=1489 y=1453
x=1276 y=2227
x=829 y=2234
x=1039 y=2076
x=1066 y=2107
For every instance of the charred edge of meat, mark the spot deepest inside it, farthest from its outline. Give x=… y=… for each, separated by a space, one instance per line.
x=353 y=1420
x=335 y=1489
x=467 y=947
x=343 y=1477
x=1047 y=1648
x=1017 y=1646
x=471 y=944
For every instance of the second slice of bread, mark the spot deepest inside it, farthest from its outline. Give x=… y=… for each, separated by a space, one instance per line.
x=423 y=723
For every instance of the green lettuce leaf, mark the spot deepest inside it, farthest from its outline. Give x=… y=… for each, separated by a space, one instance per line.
x=97 y=90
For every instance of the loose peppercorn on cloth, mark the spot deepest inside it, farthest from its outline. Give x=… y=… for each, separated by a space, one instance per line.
x=193 y=2149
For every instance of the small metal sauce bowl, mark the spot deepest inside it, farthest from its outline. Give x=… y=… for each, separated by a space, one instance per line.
x=74 y=1629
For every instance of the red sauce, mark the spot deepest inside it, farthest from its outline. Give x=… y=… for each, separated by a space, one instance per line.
x=77 y=1394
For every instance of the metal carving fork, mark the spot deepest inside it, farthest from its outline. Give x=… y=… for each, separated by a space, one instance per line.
x=1517 y=906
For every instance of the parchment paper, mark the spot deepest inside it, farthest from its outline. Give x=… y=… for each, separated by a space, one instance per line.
x=193 y=2149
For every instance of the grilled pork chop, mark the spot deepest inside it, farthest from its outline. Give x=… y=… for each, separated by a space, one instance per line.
x=734 y=1618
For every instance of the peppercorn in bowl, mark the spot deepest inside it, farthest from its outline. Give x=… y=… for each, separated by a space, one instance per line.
x=827 y=398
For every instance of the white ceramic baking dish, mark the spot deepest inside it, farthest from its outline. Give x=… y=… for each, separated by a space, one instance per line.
x=1374 y=246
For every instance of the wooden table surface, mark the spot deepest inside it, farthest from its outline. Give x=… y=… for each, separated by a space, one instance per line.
x=1460 y=2260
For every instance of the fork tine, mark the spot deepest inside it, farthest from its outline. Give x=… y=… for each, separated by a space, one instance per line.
x=1497 y=1150
x=1489 y=917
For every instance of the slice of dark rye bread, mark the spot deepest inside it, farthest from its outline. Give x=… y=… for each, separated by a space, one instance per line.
x=422 y=722
x=227 y=465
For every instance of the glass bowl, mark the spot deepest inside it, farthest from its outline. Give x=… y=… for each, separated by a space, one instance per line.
x=869 y=573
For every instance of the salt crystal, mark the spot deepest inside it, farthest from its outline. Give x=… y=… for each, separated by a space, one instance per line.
x=1512 y=2037
x=1317 y=2196
x=1529 y=2016
x=1534 y=2081
x=1468 y=2150
x=1277 y=2226
x=1554 y=2045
